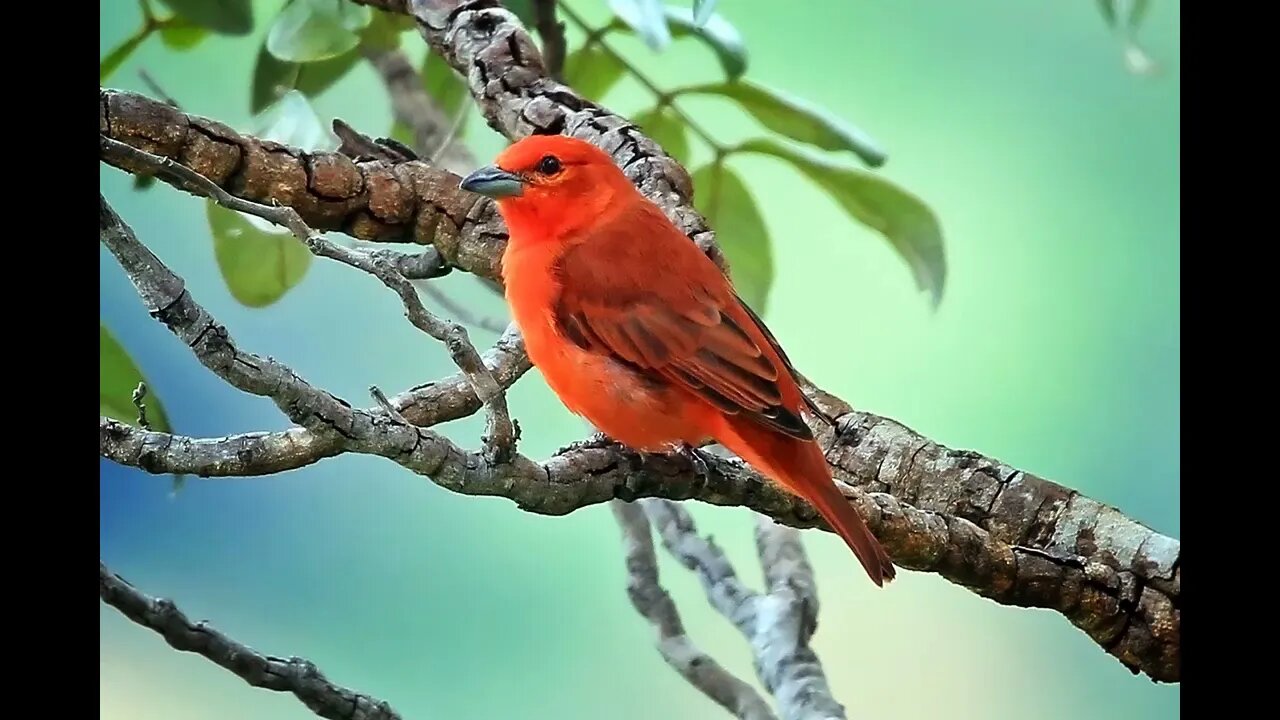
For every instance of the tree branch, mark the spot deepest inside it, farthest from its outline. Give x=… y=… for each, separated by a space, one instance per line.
x=552 y=32
x=292 y=675
x=499 y=437
x=655 y=605
x=787 y=616
x=1003 y=533
x=777 y=624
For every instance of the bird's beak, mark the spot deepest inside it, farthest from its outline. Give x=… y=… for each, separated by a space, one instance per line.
x=494 y=182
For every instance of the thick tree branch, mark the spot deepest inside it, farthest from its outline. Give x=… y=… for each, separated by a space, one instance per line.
x=655 y=605
x=292 y=675
x=1003 y=533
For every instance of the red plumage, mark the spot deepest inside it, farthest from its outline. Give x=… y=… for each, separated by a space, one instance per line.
x=635 y=329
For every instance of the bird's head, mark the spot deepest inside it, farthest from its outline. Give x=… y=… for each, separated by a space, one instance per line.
x=551 y=182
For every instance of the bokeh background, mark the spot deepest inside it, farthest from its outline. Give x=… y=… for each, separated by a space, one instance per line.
x=1055 y=174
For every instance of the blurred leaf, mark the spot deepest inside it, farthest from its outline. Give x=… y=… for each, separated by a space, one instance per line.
x=118 y=377
x=908 y=224
x=143 y=182
x=309 y=30
x=228 y=17
x=272 y=77
x=120 y=53
x=179 y=33
x=592 y=71
x=647 y=17
x=1138 y=13
x=796 y=119
x=292 y=121
x=523 y=9
x=258 y=267
x=722 y=197
x=722 y=37
x=444 y=85
x=383 y=31
x=1108 y=9
x=702 y=10
x=667 y=129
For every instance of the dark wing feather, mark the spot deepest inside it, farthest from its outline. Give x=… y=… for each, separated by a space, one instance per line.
x=677 y=331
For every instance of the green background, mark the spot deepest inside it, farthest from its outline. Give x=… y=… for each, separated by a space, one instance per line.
x=1055 y=174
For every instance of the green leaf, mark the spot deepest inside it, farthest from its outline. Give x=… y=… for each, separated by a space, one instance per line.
x=310 y=30
x=721 y=36
x=716 y=32
x=592 y=71
x=179 y=33
x=272 y=77
x=1108 y=10
x=908 y=224
x=444 y=85
x=667 y=129
x=647 y=17
x=702 y=10
x=258 y=267
x=120 y=53
x=796 y=119
x=118 y=377
x=228 y=17
x=722 y=197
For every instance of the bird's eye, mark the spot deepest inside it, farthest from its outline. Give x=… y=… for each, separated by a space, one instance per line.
x=549 y=165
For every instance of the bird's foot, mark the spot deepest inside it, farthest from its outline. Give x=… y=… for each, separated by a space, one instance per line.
x=595 y=441
x=694 y=456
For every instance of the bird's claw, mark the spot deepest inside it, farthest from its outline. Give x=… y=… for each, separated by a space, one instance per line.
x=595 y=441
x=694 y=456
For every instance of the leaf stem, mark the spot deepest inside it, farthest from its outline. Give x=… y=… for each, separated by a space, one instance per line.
x=665 y=98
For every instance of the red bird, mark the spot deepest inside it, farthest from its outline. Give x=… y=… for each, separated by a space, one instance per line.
x=636 y=330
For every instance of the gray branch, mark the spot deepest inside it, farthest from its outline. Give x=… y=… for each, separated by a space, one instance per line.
x=292 y=675
x=786 y=618
x=500 y=436
x=655 y=605
x=778 y=623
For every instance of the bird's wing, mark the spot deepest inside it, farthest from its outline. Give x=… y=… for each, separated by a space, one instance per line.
x=674 y=319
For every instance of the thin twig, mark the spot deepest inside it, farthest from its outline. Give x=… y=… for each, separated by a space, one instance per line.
x=655 y=605
x=664 y=97
x=155 y=88
x=292 y=675
x=139 y=393
x=455 y=127
x=462 y=314
x=499 y=437
x=552 y=32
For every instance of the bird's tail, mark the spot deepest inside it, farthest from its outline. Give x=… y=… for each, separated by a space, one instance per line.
x=799 y=466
